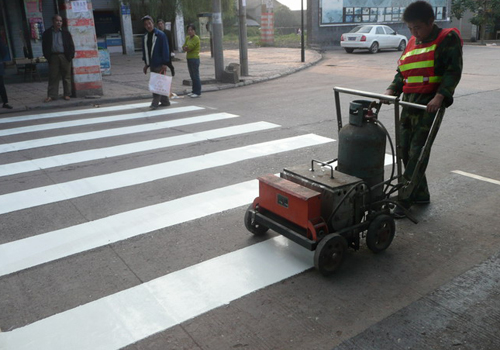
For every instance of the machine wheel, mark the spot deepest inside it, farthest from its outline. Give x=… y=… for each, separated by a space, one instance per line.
x=374 y=47
x=256 y=229
x=402 y=45
x=380 y=233
x=330 y=253
x=348 y=50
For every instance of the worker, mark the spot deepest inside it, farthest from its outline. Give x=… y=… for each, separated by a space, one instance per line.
x=428 y=72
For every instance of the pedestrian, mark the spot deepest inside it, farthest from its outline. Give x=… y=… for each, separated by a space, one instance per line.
x=192 y=48
x=156 y=56
x=161 y=26
x=59 y=50
x=3 y=91
x=423 y=83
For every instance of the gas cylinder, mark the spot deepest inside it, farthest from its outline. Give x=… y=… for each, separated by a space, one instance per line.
x=362 y=142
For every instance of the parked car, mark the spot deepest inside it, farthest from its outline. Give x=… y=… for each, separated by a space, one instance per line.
x=372 y=38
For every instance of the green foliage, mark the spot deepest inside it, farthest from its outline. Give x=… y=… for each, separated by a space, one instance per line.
x=284 y=17
x=486 y=12
x=167 y=9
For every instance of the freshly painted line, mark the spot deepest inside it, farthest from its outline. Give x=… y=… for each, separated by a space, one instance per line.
x=74 y=112
x=108 y=152
x=25 y=253
x=92 y=135
x=387 y=160
x=54 y=193
x=133 y=314
x=98 y=120
x=477 y=177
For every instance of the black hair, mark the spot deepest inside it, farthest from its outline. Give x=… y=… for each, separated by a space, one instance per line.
x=160 y=20
x=191 y=26
x=419 y=11
x=55 y=16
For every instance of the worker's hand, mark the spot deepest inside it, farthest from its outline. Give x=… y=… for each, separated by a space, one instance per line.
x=145 y=69
x=435 y=103
x=185 y=48
x=163 y=69
x=388 y=92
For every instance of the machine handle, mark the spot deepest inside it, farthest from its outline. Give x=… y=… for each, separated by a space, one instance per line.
x=327 y=164
x=391 y=99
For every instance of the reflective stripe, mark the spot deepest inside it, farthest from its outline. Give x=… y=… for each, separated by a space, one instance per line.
x=435 y=79
x=416 y=65
x=419 y=51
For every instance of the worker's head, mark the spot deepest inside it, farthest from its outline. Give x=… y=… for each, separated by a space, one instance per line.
x=148 y=23
x=57 y=22
x=160 y=24
x=419 y=17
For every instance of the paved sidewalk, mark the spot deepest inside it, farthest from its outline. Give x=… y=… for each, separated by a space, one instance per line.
x=127 y=81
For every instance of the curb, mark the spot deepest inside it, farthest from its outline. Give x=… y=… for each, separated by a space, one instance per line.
x=218 y=87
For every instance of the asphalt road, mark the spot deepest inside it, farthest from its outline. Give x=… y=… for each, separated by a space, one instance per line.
x=130 y=234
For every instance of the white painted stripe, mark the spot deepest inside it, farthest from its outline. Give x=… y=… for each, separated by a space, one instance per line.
x=126 y=317
x=477 y=177
x=99 y=120
x=108 y=152
x=92 y=135
x=75 y=112
x=25 y=253
x=82 y=187
x=387 y=160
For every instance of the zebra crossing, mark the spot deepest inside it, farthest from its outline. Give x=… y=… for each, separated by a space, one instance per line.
x=123 y=318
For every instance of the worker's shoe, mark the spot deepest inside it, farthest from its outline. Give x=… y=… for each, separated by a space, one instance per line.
x=6 y=105
x=153 y=107
x=422 y=201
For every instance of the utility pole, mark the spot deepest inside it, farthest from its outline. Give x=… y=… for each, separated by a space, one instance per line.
x=302 y=50
x=243 y=38
x=217 y=36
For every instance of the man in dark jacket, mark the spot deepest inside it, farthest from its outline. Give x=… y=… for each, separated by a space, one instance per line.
x=59 y=50
x=171 y=48
x=3 y=92
x=156 y=56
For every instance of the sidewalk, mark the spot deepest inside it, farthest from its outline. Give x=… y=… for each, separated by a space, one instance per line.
x=127 y=81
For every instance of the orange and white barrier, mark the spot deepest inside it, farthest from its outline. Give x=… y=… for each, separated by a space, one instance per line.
x=87 y=77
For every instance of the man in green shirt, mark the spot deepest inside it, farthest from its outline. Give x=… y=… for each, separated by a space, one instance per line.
x=192 y=48
x=432 y=85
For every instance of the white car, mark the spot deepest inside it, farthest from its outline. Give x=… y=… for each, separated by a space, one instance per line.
x=372 y=38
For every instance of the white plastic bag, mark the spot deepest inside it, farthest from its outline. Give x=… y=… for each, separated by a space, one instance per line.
x=160 y=84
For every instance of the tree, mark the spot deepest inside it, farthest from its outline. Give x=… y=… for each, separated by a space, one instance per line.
x=167 y=9
x=486 y=12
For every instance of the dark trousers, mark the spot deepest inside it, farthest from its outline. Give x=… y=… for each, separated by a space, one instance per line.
x=59 y=67
x=158 y=98
x=194 y=73
x=3 y=92
x=415 y=127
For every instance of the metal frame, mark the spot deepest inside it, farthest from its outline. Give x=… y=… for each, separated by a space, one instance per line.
x=405 y=187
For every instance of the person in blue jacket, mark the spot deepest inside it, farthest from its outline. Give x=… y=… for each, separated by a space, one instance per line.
x=156 y=56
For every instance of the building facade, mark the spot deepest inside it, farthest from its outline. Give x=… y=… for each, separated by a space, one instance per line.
x=328 y=19
x=22 y=23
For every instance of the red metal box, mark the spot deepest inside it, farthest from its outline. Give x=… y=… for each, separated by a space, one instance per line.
x=289 y=200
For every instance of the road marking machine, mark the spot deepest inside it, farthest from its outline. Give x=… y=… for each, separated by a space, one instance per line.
x=328 y=208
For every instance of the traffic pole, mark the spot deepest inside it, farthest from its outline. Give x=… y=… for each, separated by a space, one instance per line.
x=217 y=39
x=243 y=38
